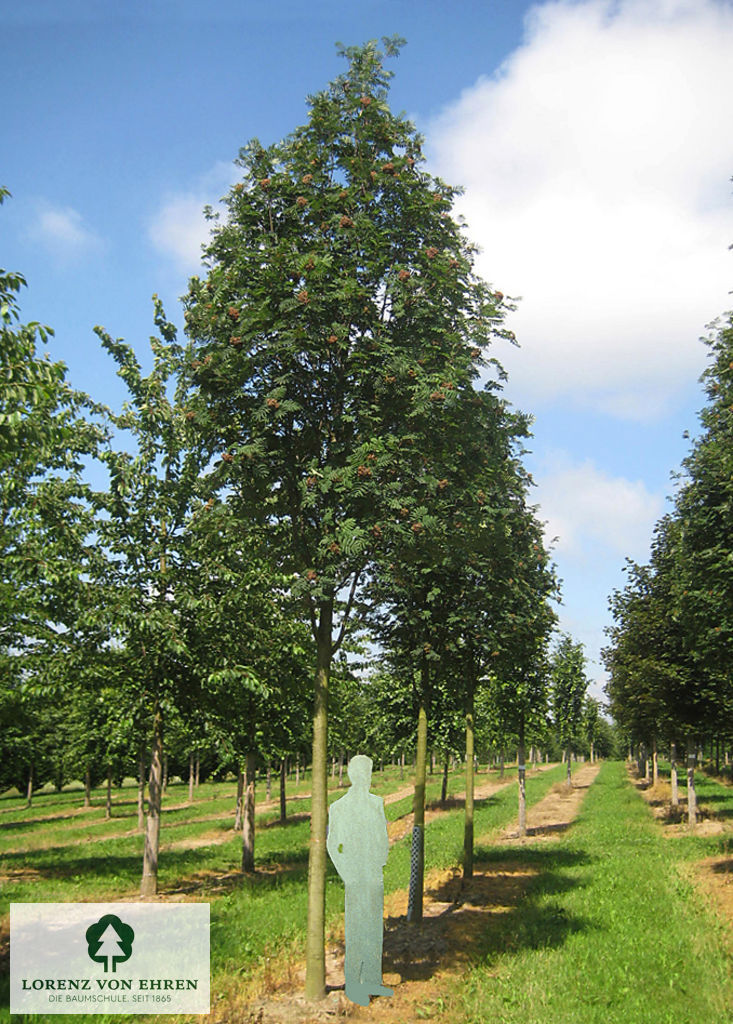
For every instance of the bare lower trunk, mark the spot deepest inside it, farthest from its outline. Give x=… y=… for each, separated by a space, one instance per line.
x=248 y=825
x=673 y=774
x=149 y=883
x=522 y=784
x=191 y=777
x=691 y=795
x=569 y=775
x=198 y=768
x=501 y=763
x=141 y=790
x=108 y=805
x=444 y=783
x=402 y=766
x=315 y=950
x=297 y=770
x=655 y=762
x=468 y=813
x=165 y=772
x=417 y=859
x=341 y=770
x=29 y=788
x=268 y=782
x=592 y=752
x=283 y=801
x=87 y=787
x=240 y=796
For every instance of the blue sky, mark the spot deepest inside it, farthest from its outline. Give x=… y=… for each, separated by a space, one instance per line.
x=593 y=140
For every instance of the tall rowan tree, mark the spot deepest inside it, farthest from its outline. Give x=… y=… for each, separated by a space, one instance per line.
x=339 y=310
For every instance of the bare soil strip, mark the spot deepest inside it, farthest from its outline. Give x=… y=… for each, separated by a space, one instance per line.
x=419 y=960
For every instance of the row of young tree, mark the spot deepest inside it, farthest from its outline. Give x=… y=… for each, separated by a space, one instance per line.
x=325 y=477
x=669 y=664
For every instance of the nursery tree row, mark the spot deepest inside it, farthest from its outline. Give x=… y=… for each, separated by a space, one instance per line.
x=669 y=656
x=313 y=506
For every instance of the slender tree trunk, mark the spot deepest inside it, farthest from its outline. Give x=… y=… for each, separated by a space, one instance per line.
x=341 y=769
x=691 y=795
x=646 y=767
x=240 y=801
x=333 y=766
x=468 y=813
x=248 y=825
x=165 y=772
x=592 y=752
x=297 y=771
x=315 y=951
x=108 y=805
x=655 y=762
x=568 y=760
x=444 y=783
x=87 y=787
x=402 y=766
x=417 y=859
x=717 y=755
x=501 y=763
x=673 y=774
x=268 y=782
x=283 y=802
x=191 y=777
x=522 y=782
x=29 y=788
x=141 y=789
x=198 y=768
x=432 y=762
x=149 y=883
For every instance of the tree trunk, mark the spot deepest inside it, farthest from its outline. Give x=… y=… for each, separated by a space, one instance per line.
x=333 y=766
x=87 y=787
x=402 y=766
x=198 y=768
x=646 y=767
x=29 y=788
x=248 y=824
x=149 y=883
x=165 y=772
x=417 y=859
x=432 y=762
x=673 y=774
x=315 y=950
x=592 y=752
x=191 y=777
x=240 y=796
x=283 y=802
x=297 y=771
x=108 y=805
x=341 y=769
x=141 y=789
x=717 y=755
x=568 y=760
x=522 y=782
x=444 y=783
x=501 y=763
x=691 y=795
x=468 y=812
x=655 y=762
x=268 y=783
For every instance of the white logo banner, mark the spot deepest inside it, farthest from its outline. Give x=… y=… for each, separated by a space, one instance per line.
x=109 y=958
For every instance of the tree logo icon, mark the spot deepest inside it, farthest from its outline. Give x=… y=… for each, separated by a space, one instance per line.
x=109 y=941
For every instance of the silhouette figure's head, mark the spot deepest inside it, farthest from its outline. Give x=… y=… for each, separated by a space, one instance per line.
x=360 y=771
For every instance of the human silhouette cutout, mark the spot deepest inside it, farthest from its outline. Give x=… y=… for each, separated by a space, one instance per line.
x=358 y=845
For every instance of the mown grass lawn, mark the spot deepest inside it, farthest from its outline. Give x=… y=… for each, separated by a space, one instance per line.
x=611 y=931
x=252 y=918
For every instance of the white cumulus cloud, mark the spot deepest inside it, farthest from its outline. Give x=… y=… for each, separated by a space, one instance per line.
x=597 y=164
x=62 y=232
x=178 y=229
x=595 y=516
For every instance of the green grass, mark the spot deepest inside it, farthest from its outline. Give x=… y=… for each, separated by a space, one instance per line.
x=610 y=932
x=252 y=918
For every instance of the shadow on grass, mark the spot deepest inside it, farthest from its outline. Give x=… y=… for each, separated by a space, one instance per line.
x=503 y=908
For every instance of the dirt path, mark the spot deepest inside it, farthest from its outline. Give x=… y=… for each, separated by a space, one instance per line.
x=419 y=961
